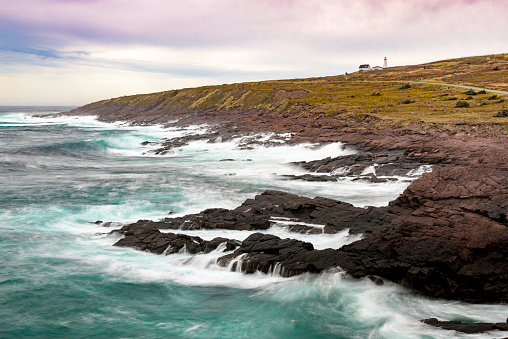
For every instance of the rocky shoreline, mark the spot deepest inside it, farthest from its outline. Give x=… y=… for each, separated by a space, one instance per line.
x=446 y=236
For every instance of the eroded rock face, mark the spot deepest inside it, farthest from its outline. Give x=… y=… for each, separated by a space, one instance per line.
x=453 y=244
x=446 y=236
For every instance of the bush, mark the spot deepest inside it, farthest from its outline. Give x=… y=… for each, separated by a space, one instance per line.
x=471 y=92
x=496 y=68
x=482 y=92
x=405 y=102
x=493 y=97
x=405 y=86
x=502 y=114
x=469 y=98
x=451 y=99
x=375 y=94
x=462 y=104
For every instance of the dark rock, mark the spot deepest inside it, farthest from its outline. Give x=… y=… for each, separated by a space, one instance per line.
x=149 y=238
x=442 y=241
x=469 y=328
x=376 y=280
x=446 y=236
x=258 y=214
x=263 y=252
x=395 y=163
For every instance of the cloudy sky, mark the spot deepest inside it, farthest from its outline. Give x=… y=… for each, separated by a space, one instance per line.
x=72 y=52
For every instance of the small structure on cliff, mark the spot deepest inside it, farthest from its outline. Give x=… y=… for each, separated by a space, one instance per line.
x=365 y=67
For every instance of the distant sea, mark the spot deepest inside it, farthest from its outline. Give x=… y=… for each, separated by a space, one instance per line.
x=60 y=276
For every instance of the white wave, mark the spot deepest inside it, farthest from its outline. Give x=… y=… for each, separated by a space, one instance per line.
x=281 y=221
x=420 y=171
x=369 y=170
x=319 y=241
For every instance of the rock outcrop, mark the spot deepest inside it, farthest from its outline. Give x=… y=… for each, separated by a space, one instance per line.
x=454 y=242
x=445 y=236
x=149 y=238
x=469 y=328
x=262 y=211
x=268 y=253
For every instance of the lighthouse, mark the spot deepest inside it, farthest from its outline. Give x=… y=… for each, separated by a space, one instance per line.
x=385 y=63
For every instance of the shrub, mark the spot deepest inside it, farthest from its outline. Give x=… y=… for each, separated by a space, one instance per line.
x=482 y=92
x=405 y=102
x=502 y=113
x=496 y=68
x=376 y=94
x=451 y=99
x=469 y=98
x=493 y=97
x=462 y=104
x=470 y=92
x=405 y=86
x=500 y=101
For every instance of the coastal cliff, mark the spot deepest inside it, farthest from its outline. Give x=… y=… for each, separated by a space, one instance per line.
x=446 y=236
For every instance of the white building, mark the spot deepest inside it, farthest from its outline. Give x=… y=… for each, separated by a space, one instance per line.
x=365 y=67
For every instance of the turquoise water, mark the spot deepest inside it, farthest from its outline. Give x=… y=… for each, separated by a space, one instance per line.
x=60 y=276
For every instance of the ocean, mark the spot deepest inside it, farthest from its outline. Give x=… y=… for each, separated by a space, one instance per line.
x=60 y=276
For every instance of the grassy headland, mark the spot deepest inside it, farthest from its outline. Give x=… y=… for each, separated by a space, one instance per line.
x=396 y=95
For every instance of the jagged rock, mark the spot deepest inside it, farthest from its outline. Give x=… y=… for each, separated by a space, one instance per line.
x=149 y=238
x=258 y=214
x=469 y=328
x=394 y=163
x=446 y=236
x=263 y=252
x=452 y=244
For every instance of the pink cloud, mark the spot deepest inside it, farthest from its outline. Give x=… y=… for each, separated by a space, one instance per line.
x=240 y=22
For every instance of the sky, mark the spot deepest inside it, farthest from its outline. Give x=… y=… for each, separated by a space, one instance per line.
x=72 y=52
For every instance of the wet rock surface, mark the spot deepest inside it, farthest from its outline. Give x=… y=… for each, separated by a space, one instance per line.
x=149 y=238
x=218 y=134
x=262 y=211
x=449 y=240
x=445 y=236
x=394 y=163
x=266 y=253
x=469 y=328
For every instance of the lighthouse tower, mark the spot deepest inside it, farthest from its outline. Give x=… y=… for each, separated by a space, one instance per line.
x=385 y=63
